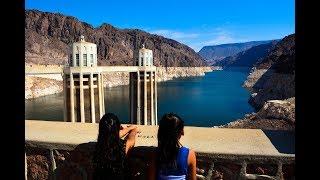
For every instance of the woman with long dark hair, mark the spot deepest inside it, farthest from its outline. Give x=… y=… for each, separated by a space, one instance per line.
x=111 y=151
x=173 y=160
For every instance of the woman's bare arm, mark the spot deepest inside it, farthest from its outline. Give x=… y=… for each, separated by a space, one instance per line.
x=131 y=139
x=192 y=165
x=125 y=130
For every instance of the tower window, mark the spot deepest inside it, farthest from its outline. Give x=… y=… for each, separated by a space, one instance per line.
x=77 y=59
x=141 y=61
x=91 y=57
x=85 y=60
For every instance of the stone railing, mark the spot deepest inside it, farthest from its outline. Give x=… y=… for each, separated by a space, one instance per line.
x=62 y=150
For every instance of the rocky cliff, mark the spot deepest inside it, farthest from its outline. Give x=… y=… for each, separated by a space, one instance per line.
x=274 y=76
x=272 y=82
x=42 y=85
x=214 y=54
x=48 y=36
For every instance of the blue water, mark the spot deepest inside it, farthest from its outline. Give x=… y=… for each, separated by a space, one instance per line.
x=214 y=99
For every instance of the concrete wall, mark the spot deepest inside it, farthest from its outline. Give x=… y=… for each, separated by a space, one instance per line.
x=224 y=153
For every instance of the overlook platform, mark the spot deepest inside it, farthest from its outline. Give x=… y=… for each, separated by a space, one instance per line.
x=202 y=140
x=213 y=146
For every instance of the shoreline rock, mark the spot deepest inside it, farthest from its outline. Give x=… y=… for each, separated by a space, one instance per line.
x=274 y=115
x=42 y=85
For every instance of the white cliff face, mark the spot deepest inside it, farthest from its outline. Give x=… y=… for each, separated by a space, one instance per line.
x=50 y=84
x=37 y=86
x=253 y=77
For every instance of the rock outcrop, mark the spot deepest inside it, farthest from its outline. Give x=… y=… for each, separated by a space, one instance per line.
x=274 y=76
x=274 y=115
x=38 y=86
x=51 y=84
x=48 y=36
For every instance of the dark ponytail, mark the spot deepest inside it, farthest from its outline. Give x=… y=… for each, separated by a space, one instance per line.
x=109 y=156
x=169 y=132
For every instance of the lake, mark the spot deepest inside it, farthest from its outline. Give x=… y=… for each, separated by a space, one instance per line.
x=214 y=99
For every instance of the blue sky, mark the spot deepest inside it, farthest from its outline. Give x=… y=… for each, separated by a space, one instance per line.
x=194 y=23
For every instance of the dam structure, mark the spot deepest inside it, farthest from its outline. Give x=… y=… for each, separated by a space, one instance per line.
x=83 y=88
x=143 y=90
x=82 y=84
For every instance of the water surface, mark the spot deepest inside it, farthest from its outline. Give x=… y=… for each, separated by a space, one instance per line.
x=214 y=99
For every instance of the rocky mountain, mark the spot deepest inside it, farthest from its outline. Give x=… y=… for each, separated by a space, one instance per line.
x=274 y=76
x=48 y=36
x=272 y=83
x=248 y=57
x=214 y=54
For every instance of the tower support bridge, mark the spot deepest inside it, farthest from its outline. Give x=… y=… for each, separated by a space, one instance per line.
x=56 y=69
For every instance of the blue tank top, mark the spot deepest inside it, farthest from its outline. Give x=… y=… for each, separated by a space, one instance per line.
x=182 y=167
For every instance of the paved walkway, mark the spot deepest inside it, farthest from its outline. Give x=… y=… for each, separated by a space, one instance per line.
x=201 y=139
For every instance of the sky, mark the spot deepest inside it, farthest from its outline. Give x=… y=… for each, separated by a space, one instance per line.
x=194 y=23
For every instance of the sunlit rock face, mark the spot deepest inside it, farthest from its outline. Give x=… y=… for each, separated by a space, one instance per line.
x=48 y=36
x=274 y=115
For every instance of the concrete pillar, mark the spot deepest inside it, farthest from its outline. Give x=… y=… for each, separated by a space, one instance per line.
x=72 y=97
x=65 y=111
x=100 y=96
x=145 y=97
x=93 y=115
x=138 y=98
x=82 y=115
x=155 y=97
x=25 y=166
x=131 y=97
x=151 y=77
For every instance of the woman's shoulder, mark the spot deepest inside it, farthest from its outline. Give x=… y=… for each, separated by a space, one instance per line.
x=184 y=149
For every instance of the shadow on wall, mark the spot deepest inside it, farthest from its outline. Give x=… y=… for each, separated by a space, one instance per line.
x=78 y=164
x=283 y=141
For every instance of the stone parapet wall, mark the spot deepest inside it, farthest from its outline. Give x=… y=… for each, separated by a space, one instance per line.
x=77 y=164
x=65 y=150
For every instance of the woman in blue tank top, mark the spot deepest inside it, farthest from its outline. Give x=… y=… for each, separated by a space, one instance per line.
x=173 y=161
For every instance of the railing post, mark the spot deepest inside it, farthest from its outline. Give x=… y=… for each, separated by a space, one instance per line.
x=243 y=170
x=210 y=171
x=279 y=171
x=26 y=166
x=53 y=165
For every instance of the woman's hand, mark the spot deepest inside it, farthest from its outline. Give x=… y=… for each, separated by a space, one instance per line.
x=125 y=130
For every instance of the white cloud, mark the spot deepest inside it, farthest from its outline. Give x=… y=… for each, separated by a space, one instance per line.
x=220 y=39
x=199 y=38
x=174 y=34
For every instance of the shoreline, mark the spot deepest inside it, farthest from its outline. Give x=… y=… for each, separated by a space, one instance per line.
x=43 y=85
